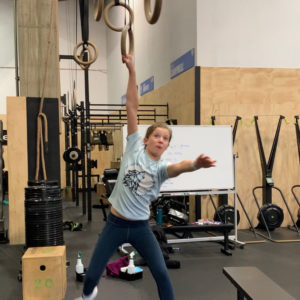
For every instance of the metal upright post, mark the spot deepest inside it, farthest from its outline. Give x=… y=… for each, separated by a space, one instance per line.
x=67 y=145
x=88 y=145
x=74 y=165
x=234 y=200
x=82 y=126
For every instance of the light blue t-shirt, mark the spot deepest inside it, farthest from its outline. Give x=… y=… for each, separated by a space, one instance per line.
x=139 y=181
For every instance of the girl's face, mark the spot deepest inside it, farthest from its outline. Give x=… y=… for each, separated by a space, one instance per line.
x=157 y=142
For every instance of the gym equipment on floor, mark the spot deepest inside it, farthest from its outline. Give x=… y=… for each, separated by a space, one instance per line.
x=174 y=209
x=43 y=214
x=270 y=215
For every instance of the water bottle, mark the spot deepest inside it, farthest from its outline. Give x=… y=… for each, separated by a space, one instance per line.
x=79 y=265
x=159 y=215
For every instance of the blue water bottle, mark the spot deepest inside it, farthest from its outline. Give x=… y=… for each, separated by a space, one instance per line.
x=159 y=215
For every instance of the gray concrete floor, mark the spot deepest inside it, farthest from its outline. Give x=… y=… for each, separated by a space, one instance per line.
x=200 y=275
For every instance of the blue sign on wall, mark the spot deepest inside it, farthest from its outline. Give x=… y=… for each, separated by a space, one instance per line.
x=147 y=86
x=183 y=63
x=123 y=99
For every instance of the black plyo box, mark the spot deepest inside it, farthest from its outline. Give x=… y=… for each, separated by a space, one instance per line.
x=131 y=277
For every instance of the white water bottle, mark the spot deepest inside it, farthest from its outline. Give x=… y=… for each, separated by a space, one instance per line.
x=131 y=266
x=79 y=265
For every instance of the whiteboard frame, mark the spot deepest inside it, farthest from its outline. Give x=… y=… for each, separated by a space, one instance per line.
x=186 y=192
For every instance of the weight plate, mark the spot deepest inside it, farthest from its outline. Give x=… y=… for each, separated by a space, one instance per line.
x=225 y=214
x=273 y=216
x=72 y=155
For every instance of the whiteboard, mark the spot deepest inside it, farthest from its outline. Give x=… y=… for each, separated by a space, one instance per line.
x=189 y=141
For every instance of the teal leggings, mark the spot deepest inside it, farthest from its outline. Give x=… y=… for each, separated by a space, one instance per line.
x=139 y=234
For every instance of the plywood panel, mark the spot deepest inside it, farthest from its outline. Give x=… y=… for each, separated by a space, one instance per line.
x=36 y=61
x=17 y=166
x=267 y=93
x=179 y=94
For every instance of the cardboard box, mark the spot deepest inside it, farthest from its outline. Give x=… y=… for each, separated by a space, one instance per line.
x=100 y=192
x=44 y=273
x=115 y=164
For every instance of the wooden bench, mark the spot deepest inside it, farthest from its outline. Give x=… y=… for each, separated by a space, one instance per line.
x=251 y=283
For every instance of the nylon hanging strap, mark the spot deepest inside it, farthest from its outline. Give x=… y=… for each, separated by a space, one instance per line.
x=84 y=18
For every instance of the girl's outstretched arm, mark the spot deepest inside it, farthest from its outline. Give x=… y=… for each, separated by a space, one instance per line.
x=132 y=101
x=202 y=161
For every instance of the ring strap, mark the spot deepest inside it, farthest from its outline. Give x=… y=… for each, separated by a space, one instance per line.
x=84 y=17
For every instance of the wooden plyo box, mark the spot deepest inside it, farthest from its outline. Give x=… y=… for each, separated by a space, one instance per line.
x=67 y=192
x=44 y=273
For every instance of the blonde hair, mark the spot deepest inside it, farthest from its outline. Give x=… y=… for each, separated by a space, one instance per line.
x=151 y=128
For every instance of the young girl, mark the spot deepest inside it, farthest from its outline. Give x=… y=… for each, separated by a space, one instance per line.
x=139 y=180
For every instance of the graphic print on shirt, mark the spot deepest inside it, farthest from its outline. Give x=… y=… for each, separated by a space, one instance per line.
x=137 y=180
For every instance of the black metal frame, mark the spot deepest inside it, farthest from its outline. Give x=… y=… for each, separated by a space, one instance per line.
x=297 y=185
x=267 y=169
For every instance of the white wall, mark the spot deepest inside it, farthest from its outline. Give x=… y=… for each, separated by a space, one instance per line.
x=248 y=33
x=7 y=57
x=156 y=46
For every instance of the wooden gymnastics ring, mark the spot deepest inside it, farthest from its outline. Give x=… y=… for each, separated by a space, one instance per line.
x=152 y=17
x=127 y=29
x=98 y=7
x=106 y=11
x=92 y=57
x=84 y=67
